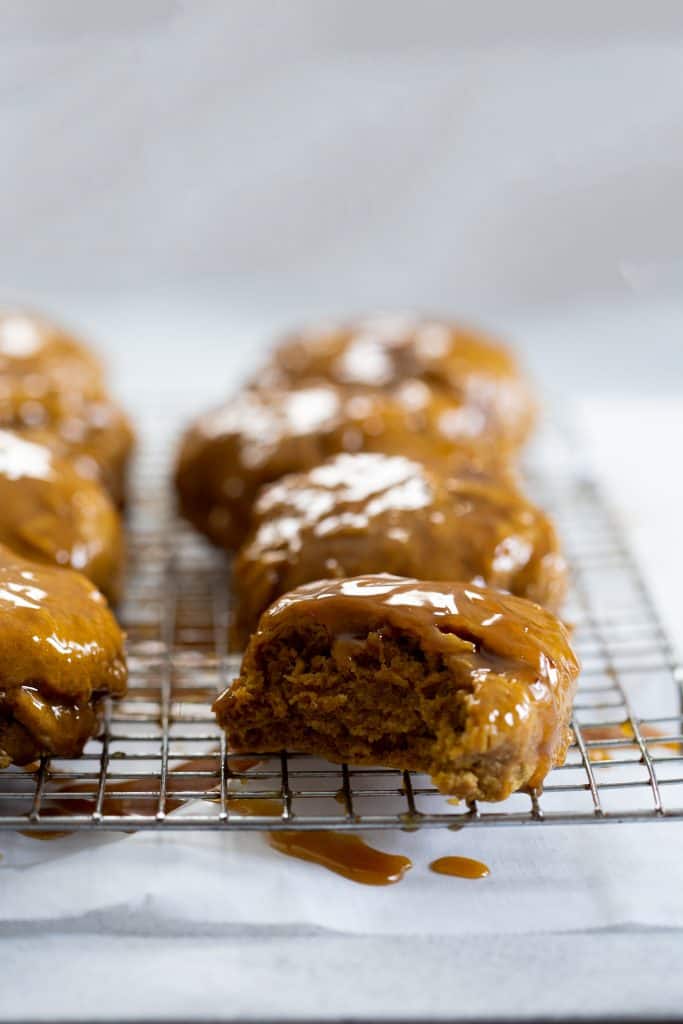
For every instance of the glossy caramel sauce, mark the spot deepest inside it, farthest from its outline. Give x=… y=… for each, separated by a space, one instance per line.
x=369 y=512
x=138 y=803
x=44 y=837
x=52 y=391
x=51 y=513
x=341 y=853
x=143 y=799
x=42 y=368
x=459 y=867
x=344 y=854
x=259 y=436
x=96 y=437
x=449 y=618
x=61 y=651
x=384 y=350
x=57 y=632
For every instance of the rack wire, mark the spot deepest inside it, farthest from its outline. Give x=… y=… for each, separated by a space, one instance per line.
x=161 y=762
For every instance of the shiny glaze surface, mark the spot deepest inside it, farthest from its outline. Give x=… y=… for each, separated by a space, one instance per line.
x=459 y=867
x=260 y=436
x=50 y=513
x=368 y=512
x=344 y=854
x=96 y=437
x=499 y=676
x=383 y=351
x=42 y=367
x=61 y=648
x=52 y=390
x=449 y=618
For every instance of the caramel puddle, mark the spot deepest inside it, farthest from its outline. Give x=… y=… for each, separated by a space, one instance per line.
x=459 y=867
x=123 y=806
x=44 y=836
x=344 y=854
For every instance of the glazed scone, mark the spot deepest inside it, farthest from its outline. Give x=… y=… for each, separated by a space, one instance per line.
x=259 y=436
x=52 y=389
x=384 y=351
x=41 y=368
x=61 y=653
x=369 y=513
x=96 y=437
x=50 y=513
x=469 y=685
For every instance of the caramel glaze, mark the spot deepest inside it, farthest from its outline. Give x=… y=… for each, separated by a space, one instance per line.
x=382 y=351
x=470 y=685
x=42 y=365
x=369 y=512
x=52 y=391
x=50 y=513
x=459 y=867
x=344 y=854
x=260 y=436
x=133 y=797
x=61 y=651
x=97 y=439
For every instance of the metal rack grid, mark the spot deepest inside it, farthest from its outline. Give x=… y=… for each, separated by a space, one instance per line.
x=162 y=763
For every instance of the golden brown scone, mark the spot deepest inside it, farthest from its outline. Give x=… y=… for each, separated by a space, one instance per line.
x=384 y=351
x=97 y=438
x=41 y=368
x=368 y=513
x=259 y=436
x=50 y=513
x=61 y=652
x=52 y=390
x=472 y=686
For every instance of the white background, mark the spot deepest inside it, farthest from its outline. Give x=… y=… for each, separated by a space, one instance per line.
x=183 y=169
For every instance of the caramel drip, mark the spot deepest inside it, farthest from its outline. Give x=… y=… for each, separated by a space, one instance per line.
x=620 y=731
x=136 y=804
x=44 y=836
x=459 y=867
x=344 y=854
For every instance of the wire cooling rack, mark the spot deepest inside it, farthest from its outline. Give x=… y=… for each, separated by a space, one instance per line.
x=162 y=763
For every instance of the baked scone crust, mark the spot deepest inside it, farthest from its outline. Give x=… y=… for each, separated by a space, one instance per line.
x=261 y=435
x=385 y=350
x=61 y=653
x=42 y=367
x=369 y=512
x=52 y=390
x=50 y=513
x=469 y=685
x=96 y=437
